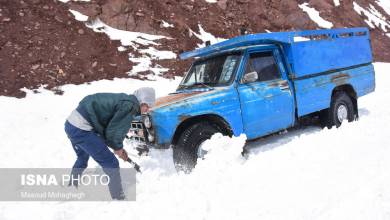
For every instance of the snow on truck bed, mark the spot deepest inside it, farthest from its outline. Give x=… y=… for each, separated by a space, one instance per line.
x=305 y=173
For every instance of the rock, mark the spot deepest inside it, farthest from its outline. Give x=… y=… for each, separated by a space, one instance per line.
x=113 y=15
x=230 y=15
x=188 y=7
x=46 y=7
x=91 y=9
x=94 y=64
x=6 y=19
x=222 y=4
x=57 y=18
x=21 y=14
x=139 y=14
x=62 y=54
x=36 y=66
x=61 y=72
x=81 y=31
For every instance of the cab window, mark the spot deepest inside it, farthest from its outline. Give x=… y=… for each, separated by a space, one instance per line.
x=264 y=64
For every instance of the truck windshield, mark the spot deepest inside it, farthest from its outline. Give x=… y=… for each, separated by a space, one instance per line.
x=215 y=71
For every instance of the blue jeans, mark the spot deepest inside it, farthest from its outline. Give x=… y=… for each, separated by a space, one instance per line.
x=88 y=143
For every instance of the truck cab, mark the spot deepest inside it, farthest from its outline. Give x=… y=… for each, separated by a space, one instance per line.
x=260 y=84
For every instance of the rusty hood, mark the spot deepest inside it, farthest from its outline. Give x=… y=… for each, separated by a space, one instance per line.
x=175 y=97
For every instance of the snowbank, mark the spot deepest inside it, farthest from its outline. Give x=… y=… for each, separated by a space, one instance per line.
x=306 y=173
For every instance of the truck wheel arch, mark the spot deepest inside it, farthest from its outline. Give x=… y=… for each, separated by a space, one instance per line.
x=350 y=91
x=213 y=118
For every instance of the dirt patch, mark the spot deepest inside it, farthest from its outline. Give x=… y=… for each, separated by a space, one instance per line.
x=42 y=44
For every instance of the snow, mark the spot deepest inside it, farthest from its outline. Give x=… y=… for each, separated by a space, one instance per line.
x=144 y=63
x=385 y=4
x=336 y=3
x=315 y=16
x=127 y=38
x=211 y=1
x=159 y=54
x=305 y=173
x=374 y=17
x=205 y=36
x=166 y=24
x=78 y=16
x=300 y=39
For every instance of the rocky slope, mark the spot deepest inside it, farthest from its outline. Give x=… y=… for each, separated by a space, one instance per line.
x=42 y=43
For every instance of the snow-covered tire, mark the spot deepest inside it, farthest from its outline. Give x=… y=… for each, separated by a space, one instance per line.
x=341 y=109
x=185 y=152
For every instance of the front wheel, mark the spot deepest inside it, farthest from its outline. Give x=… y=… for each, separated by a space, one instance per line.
x=188 y=149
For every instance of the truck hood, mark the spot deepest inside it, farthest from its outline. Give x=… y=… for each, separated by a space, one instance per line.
x=174 y=97
x=183 y=95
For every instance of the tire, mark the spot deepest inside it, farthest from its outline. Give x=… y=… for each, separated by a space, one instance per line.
x=185 y=152
x=341 y=109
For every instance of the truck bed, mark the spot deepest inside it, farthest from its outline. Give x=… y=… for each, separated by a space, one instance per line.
x=313 y=93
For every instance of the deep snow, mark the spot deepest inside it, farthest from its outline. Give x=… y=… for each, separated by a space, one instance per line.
x=306 y=173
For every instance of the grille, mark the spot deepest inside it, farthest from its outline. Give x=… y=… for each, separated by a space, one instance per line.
x=137 y=132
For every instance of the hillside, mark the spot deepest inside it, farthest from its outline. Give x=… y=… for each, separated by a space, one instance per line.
x=41 y=43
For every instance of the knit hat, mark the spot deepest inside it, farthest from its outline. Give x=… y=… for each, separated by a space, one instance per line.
x=146 y=95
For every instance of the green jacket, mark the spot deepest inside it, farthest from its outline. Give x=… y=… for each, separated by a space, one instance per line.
x=110 y=114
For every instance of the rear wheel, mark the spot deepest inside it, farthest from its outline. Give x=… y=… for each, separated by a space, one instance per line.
x=341 y=109
x=188 y=149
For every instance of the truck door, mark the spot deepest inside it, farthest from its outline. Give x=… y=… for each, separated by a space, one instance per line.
x=267 y=103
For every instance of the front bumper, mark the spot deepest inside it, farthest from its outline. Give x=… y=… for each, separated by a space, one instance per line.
x=137 y=132
x=140 y=134
x=143 y=136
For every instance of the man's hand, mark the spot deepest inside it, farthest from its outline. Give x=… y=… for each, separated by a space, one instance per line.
x=122 y=154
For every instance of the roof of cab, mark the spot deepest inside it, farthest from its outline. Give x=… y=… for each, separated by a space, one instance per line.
x=262 y=38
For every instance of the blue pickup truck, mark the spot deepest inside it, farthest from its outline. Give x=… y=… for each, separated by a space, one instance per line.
x=259 y=84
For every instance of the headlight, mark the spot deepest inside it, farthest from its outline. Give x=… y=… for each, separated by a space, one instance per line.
x=147 y=121
x=150 y=138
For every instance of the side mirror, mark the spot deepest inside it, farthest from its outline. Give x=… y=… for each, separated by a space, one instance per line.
x=250 y=77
